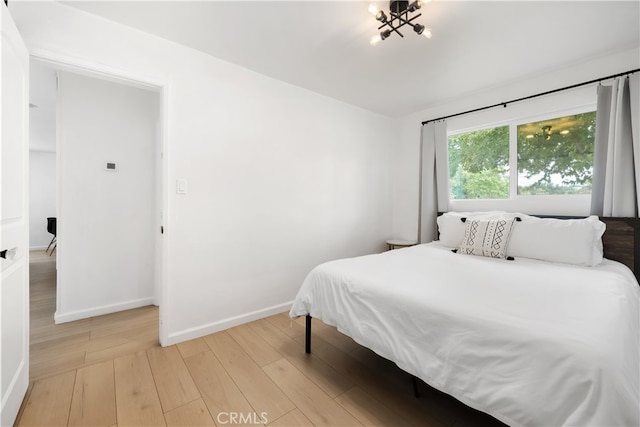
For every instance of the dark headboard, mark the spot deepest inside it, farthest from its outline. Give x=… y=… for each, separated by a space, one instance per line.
x=621 y=240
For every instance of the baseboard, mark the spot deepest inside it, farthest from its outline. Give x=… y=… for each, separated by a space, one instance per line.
x=99 y=311
x=13 y=397
x=200 y=331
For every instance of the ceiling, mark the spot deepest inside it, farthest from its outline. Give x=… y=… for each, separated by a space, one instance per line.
x=324 y=46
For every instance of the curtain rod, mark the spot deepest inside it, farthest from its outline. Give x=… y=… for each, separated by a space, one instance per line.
x=504 y=104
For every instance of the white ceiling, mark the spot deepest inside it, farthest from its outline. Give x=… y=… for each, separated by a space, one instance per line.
x=324 y=46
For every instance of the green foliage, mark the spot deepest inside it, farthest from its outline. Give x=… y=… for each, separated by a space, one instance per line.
x=486 y=184
x=479 y=164
x=566 y=158
x=549 y=162
x=540 y=188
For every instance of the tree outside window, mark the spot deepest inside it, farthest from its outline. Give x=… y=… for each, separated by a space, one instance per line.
x=554 y=156
x=479 y=164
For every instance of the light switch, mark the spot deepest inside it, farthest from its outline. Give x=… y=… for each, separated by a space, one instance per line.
x=181 y=186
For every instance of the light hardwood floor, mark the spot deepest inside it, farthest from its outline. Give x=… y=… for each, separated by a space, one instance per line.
x=109 y=370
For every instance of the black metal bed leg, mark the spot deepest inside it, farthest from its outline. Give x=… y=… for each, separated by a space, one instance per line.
x=416 y=391
x=307 y=337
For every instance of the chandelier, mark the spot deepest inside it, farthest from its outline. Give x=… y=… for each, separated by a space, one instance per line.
x=399 y=11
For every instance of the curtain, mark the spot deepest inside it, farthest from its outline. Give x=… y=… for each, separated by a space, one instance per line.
x=434 y=179
x=616 y=157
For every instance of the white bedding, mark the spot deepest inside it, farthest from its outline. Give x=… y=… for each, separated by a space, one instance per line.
x=529 y=342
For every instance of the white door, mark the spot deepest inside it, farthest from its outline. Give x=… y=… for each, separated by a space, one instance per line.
x=14 y=224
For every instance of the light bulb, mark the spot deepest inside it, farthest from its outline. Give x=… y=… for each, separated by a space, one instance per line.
x=380 y=16
x=373 y=9
x=427 y=33
x=375 y=40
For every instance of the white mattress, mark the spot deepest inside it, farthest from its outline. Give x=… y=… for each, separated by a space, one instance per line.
x=529 y=342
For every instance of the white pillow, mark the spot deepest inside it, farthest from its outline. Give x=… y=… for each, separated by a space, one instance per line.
x=451 y=228
x=486 y=237
x=568 y=241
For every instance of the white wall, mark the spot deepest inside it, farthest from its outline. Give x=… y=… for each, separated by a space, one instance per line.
x=406 y=152
x=106 y=227
x=279 y=178
x=42 y=153
x=42 y=197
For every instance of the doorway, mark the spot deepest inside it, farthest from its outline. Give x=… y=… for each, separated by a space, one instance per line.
x=109 y=195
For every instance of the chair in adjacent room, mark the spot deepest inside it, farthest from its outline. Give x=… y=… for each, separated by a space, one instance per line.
x=51 y=228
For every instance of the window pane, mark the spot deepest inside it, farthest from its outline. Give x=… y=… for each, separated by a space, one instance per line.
x=556 y=156
x=479 y=164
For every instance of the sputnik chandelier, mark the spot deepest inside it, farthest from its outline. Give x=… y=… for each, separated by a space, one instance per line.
x=399 y=11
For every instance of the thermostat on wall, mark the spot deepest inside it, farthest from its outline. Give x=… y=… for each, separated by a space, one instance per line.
x=110 y=166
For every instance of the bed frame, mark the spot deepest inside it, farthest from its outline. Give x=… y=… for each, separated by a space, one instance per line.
x=621 y=242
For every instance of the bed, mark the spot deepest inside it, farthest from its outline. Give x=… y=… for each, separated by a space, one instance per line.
x=528 y=341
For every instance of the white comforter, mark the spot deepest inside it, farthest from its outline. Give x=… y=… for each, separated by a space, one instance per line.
x=529 y=342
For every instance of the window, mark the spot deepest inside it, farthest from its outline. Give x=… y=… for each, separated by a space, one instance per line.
x=553 y=156
x=479 y=164
x=556 y=156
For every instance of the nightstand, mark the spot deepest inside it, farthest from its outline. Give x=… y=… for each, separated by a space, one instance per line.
x=396 y=243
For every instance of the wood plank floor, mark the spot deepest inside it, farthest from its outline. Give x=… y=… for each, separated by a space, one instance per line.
x=56 y=348
x=110 y=371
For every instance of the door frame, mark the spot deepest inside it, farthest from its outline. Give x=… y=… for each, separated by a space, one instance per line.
x=104 y=72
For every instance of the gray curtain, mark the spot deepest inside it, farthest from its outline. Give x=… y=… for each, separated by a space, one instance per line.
x=434 y=178
x=616 y=157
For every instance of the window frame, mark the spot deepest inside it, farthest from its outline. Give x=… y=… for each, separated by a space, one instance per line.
x=513 y=124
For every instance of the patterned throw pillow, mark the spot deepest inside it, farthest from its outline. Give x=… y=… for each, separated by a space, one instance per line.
x=486 y=237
